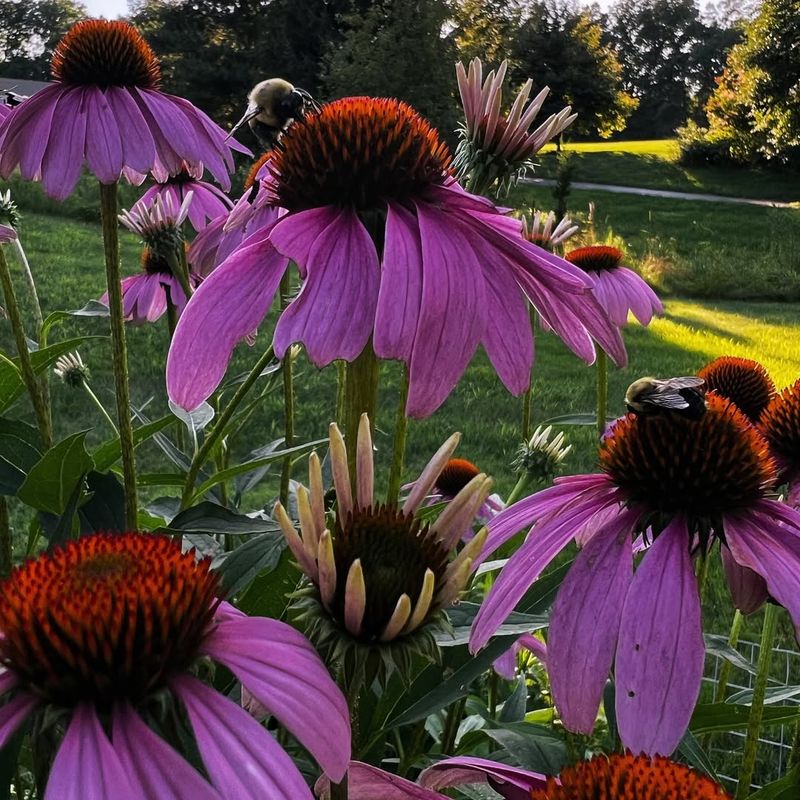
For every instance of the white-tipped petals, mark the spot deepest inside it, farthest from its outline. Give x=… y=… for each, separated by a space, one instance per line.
x=327 y=568
x=423 y=604
x=398 y=620
x=427 y=479
x=295 y=543
x=355 y=598
x=461 y=510
x=365 y=469
x=341 y=474
x=307 y=527
x=316 y=492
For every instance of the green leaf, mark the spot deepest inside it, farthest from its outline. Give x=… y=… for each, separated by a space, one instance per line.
x=244 y=563
x=160 y=479
x=717 y=645
x=515 y=706
x=20 y=449
x=785 y=788
x=269 y=594
x=59 y=529
x=108 y=453
x=210 y=518
x=694 y=755
x=52 y=480
x=105 y=508
x=533 y=747
x=575 y=419
x=710 y=717
x=774 y=694
x=462 y=615
x=94 y=308
x=248 y=466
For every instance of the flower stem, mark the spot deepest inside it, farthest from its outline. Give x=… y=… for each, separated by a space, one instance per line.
x=451 y=725
x=288 y=397
x=6 y=545
x=25 y=364
x=100 y=407
x=399 y=447
x=108 y=213
x=219 y=428
x=750 y=752
x=360 y=396
x=725 y=670
x=527 y=398
x=341 y=380
x=602 y=390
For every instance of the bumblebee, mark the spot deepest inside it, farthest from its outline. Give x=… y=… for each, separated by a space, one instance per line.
x=683 y=396
x=272 y=106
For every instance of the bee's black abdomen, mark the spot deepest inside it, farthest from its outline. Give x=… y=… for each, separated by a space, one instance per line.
x=697 y=403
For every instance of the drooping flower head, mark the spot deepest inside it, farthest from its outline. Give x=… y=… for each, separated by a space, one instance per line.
x=105 y=109
x=97 y=631
x=380 y=574
x=742 y=380
x=158 y=222
x=780 y=424
x=543 y=231
x=619 y=289
x=374 y=215
x=496 y=147
x=629 y=777
x=208 y=202
x=684 y=486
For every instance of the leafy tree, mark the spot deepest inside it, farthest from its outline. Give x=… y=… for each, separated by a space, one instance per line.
x=29 y=32
x=484 y=28
x=561 y=47
x=397 y=48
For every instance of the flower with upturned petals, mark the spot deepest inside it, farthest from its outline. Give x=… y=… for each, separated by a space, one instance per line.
x=780 y=424
x=541 y=231
x=374 y=215
x=380 y=575
x=629 y=777
x=105 y=633
x=71 y=370
x=742 y=380
x=619 y=289
x=540 y=457
x=684 y=486
x=208 y=201
x=496 y=147
x=104 y=108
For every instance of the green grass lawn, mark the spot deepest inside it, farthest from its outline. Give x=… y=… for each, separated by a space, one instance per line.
x=653 y=164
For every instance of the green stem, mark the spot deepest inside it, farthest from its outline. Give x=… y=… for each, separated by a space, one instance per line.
x=219 y=428
x=341 y=381
x=492 y=694
x=180 y=269
x=360 y=396
x=399 y=446
x=288 y=397
x=602 y=390
x=100 y=407
x=725 y=669
x=119 y=352
x=750 y=752
x=6 y=548
x=527 y=399
x=451 y=724
x=25 y=364
x=522 y=484
x=339 y=790
x=794 y=755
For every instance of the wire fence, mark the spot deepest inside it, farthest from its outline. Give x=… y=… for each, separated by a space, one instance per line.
x=775 y=744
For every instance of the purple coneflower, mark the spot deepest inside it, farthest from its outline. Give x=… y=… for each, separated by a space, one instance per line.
x=208 y=201
x=104 y=634
x=683 y=485
x=104 y=108
x=780 y=423
x=495 y=147
x=543 y=231
x=145 y=296
x=618 y=289
x=380 y=575
x=364 y=171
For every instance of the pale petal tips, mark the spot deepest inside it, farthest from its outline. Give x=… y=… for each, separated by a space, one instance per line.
x=327 y=568
x=423 y=604
x=341 y=472
x=295 y=542
x=397 y=622
x=364 y=464
x=355 y=598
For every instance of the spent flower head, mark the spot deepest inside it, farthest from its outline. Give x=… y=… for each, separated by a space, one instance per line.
x=158 y=221
x=495 y=147
x=542 y=229
x=541 y=456
x=9 y=213
x=71 y=369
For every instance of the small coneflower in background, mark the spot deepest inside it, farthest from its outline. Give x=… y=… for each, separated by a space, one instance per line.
x=103 y=637
x=71 y=370
x=538 y=460
x=542 y=230
x=684 y=486
x=742 y=380
x=145 y=296
x=496 y=147
x=104 y=109
x=374 y=214
x=380 y=577
x=780 y=424
x=618 y=289
x=208 y=201
x=629 y=777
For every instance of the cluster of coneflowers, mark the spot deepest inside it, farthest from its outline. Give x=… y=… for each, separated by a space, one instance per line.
x=109 y=642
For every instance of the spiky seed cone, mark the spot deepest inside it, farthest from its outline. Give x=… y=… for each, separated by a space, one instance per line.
x=742 y=380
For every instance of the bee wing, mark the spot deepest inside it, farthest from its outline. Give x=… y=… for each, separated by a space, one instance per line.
x=686 y=382
x=666 y=394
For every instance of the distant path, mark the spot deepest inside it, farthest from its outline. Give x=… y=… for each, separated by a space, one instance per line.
x=709 y=198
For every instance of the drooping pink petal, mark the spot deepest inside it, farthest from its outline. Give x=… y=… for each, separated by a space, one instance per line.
x=282 y=670
x=748 y=589
x=584 y=622
x=226 y=307
x=86 y=766
x=139 y=151
x=155 y=770
x=103 y=144
x=13 y=714
x=173 y=124
x=643 y=301
x=64 y=157
x=241 y=758
x=452 y=318
x=400 y=293
x=26 y=132
x=365 y=782
x=334 y=314
x=506 y=665
x=295 y=234
x=512 y=783
x=661 y=652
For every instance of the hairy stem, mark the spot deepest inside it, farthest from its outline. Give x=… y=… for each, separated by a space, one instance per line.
x=108 y=212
